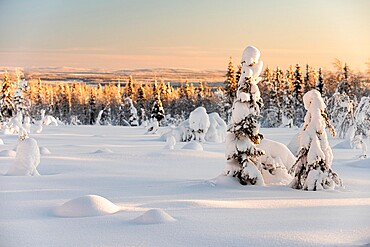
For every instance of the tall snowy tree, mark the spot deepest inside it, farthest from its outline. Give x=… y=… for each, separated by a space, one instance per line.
x=243 y=131
x=320 y=83
x=298 y=96
x=230 y=84
x=312 y=170
x=344 y=86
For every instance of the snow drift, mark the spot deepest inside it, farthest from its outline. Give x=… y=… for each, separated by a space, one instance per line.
x=86 y=206
x=154 y=216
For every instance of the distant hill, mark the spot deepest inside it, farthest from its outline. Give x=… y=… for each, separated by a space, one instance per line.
x=59 y=74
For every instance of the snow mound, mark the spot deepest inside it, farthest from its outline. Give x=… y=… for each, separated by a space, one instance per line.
x=103 y=151
x=44 y=150
x=86 y=206
x=154 y=216
x=278 y=152
x=8 y=153
x=1 y=142
x=193 y=145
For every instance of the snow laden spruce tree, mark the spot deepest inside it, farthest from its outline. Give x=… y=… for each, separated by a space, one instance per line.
x=312 y=170
x=243 y=130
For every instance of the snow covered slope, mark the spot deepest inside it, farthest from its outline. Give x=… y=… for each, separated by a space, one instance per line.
x=139 y=175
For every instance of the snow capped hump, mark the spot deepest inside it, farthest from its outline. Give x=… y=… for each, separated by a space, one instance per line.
x=251 y=55
x=313 y=98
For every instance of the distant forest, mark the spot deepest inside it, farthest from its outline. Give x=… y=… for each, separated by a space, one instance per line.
x=80 y=103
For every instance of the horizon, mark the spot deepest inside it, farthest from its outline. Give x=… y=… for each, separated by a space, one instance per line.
x=125 y=35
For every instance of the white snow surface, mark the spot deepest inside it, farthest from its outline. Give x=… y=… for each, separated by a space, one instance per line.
x=140 y=175
x=193 y=145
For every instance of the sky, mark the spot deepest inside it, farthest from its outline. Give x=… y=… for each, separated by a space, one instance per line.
x=199 y=34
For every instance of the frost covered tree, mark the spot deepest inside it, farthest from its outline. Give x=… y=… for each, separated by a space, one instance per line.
x=243 y=131
x=312 y=170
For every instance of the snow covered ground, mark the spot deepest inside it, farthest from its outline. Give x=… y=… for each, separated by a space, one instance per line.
x=141 y=184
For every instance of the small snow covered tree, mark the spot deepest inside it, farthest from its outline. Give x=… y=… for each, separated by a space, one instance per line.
x=243 y=131
x=312 y=170
x=27 y=158
x=199 y=123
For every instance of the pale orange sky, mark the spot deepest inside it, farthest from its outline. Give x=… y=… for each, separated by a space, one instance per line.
x=186 y=34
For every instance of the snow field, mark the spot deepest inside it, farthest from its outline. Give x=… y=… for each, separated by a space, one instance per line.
x=139 y=176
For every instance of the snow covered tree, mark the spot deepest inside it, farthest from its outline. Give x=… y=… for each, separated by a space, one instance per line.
x=243 y=131
x=297 y=96
x=309 y=79
x=129 y=88
x=312 y=170
x=360 y=130
x=238 y=74
x=157 y=112
x=340 y=109
x=230 y=87
x=133 y=118
x=344 y=86
x=92 y=110
x=20 y=103
x=273 y=110
x=320 y=83
x=6 y=100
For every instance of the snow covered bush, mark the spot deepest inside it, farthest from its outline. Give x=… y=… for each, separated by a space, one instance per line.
x=199 y=123
x=276 y=162
x=243 y=132
x=48 y=119
x=27 y=157
x=217 y=129
x=313 y=171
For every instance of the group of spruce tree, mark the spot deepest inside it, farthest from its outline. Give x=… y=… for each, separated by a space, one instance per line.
x=282 y=91
x=79 y=103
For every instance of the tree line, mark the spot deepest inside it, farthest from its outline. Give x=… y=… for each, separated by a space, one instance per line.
x=81 y=103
